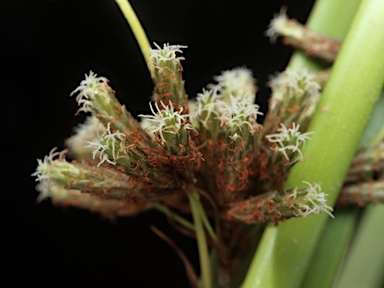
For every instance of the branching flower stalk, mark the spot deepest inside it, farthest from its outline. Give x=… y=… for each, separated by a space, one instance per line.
x=299 y=36
x=207 y=155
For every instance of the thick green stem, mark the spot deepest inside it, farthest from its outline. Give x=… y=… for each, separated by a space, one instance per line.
x=325 y=18
x=365 y=250
x=346 y=105
x=206 y=276
x=136 y=27
x=337 y=235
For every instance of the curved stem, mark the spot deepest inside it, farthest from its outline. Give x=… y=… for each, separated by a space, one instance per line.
x=176 y=217
x=136 y=27
x=206 y=277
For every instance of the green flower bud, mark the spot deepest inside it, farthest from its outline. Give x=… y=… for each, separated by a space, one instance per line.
x=302 y=38
x=166 y=71
x=295 y=95
x=95 y=96
x=275 y=206
x=289 y=142
x=171 y=128
x=237 y=82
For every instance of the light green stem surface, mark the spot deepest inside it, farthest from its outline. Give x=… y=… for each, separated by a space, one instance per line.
x=324 y=264
x=347 y=102
x=365 y=265
x=337 y=235
x=331 y=249
x=206 y=276
x=325 y=18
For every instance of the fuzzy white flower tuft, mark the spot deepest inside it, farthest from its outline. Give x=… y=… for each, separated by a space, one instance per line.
x=292 y=83
x=237 y=82
x=43 y=165
x=313 y=202
x=55 y=168
x=239 y=114
x=277 y=24
x=87 y=131
x=87 y=90
x=168 y=52
x=165 y=120
x=289 y=139
x=208 y=104
x=107 y=147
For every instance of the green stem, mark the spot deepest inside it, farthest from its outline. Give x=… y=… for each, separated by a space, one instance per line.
x=184 y=222
x=364 y=251
x=325 y=18
x=206 y=223
x=346 y=105
x=338 y=234
x=330 y=251
x=365 y=264
x=375 y=133
x=206 y=277
x=136 y=27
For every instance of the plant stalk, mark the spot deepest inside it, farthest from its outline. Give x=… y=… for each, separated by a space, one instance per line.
x=348 y=99
x=136 y=27
x=206 y=276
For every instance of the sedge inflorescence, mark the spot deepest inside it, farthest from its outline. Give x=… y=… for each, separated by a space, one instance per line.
x=212 y=143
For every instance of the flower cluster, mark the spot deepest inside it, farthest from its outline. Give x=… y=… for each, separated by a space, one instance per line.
x=212 y=143
x=206 y=155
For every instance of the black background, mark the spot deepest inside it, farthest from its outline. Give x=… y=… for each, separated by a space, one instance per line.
x=47 y=48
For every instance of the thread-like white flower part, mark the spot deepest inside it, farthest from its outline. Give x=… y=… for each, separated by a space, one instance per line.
x=43 y=165
x=50 y=170
x=276 y=25
x=87 y=90
x=237 y=81
x=299 y=82
x=281 y=25
x=240 y=113
x=165 y=119
x=168 y=52
x=317 y=201
x=208 y=102
x=289 y=139
x=87 y=131
x=107 y=141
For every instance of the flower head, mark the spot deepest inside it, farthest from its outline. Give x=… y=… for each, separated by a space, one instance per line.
x=165 y=120
x=237 y=82
x=278 y=23
x=166 y=71
x=88 y=89
x=310 y=200
x=289 y=142
x=166 y=53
